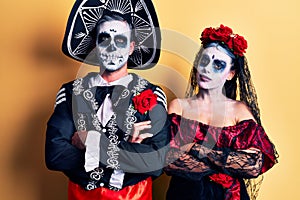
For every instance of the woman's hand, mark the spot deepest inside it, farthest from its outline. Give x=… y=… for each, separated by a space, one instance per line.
x=187 y=147
x=137 y=127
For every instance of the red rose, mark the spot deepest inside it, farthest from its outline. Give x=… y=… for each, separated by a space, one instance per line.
x=225 y=180
x=145 y=101
x=236 y=43
x=222 y=34
x=240 y=45
x=206 y=34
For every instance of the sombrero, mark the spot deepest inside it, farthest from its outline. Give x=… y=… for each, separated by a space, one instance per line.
x=79 y=42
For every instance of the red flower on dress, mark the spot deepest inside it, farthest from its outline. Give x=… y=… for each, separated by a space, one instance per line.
x=223 y=179
x=231 y=185
x=236 y=43
x=144 y=101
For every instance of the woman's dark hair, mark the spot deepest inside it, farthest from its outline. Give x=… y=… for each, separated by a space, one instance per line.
x=242 y=79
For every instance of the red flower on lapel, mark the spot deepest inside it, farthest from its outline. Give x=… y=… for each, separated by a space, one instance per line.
x=145 y=101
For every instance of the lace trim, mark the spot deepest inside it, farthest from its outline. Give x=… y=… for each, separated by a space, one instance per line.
x=244 y=163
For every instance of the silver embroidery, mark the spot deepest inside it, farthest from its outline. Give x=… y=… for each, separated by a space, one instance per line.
x=77 y=86
x=81 y=122
x=89 y=96
x=96 y=122
x=97 y=174
x=130 y=120
x=125 y=93
x=113 y=148
x=79 y=35
x=130 y=113
x=91 y=185
x=142 y=83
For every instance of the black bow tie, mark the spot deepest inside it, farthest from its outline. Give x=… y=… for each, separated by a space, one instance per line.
x=101 y=92
x=113 y=91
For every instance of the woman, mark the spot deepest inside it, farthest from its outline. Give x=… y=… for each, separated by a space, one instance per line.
x=218 y=145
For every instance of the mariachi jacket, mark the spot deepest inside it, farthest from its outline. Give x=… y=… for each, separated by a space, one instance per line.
x=76 y=107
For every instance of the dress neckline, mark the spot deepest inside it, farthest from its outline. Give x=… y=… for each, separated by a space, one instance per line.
x=240 y=123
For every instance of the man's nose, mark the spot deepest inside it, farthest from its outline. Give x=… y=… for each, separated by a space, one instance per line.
x=111 y=47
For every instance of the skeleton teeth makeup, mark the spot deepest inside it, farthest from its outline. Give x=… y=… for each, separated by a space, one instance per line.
x=113 y=44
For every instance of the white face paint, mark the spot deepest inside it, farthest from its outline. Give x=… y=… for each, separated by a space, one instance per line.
x=113 y=44
x=214 y=68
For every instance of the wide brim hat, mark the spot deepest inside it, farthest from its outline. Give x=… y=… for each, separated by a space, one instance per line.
x=79 y=40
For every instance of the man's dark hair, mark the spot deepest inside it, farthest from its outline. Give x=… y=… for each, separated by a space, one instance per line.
x=114 y=16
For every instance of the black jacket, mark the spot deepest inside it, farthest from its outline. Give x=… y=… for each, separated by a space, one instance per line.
x=138 y=161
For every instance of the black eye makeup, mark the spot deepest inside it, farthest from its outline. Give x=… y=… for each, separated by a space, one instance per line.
x=104 y=40
x=204 y=60
x=219 y=65
x=120 y=41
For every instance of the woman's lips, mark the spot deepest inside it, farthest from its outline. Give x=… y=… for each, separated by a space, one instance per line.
x=204 y=78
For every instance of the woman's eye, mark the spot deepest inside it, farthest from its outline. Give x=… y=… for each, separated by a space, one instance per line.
x=219 y=65
x=204 y=61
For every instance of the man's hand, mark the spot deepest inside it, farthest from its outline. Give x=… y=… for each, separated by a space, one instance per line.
x=136 y=136
x=78 y=139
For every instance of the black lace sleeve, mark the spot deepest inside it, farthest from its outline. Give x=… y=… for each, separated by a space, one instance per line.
x=240 y=163
x=187 y=166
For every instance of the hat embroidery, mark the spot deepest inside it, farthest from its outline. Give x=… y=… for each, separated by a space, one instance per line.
x=86 y=16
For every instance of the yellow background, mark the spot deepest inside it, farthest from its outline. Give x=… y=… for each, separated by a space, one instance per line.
x=33 y=68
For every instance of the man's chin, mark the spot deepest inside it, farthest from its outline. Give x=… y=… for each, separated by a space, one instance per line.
x=112 y=68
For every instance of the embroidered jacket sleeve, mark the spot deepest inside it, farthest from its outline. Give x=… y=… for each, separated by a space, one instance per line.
x=60 y=154
x=147 y=157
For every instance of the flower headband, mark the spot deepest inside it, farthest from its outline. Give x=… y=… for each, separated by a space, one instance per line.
x=236 y=43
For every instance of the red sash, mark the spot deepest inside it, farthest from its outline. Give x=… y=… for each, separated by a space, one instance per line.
x=140 y=191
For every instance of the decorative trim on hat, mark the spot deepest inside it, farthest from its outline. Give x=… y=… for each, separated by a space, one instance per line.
x=79 y=43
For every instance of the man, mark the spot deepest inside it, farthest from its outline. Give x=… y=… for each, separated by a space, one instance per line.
x=108 y=133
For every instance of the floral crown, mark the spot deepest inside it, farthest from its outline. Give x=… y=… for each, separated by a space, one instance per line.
x=236 y=43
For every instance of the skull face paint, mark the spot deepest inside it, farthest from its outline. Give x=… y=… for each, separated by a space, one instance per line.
x=214 y=68
x=113 y=44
